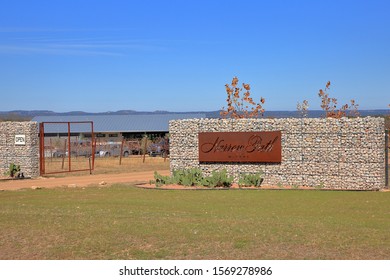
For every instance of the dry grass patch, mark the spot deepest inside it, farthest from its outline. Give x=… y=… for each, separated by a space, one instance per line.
x=108 y=165
x=122 y=222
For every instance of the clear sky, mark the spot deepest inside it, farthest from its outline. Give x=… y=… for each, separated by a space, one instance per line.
x=109 y=55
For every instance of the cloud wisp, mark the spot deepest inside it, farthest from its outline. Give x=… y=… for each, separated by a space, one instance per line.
x=25 y=41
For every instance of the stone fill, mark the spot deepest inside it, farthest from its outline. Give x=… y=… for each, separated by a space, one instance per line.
x=346 y=153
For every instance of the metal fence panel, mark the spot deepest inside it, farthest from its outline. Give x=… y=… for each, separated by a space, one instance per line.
x=65 y=152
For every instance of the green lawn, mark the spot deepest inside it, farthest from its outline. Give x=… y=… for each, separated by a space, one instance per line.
x=123 y=222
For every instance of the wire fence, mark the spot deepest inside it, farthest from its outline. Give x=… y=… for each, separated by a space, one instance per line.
x=63 y=154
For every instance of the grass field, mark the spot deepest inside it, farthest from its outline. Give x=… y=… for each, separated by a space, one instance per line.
x=124 y=222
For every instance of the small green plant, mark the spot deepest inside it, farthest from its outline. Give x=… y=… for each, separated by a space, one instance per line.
x=160 y=180
x=14 y=170
x=187 y=177
x=250 y=179
x=218 y=179
x=194 y=177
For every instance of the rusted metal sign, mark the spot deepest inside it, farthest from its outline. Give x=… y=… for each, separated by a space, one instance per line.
x=264 y=146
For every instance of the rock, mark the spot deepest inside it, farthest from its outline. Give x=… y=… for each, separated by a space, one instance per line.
x=102 y=183
x=72 y=186
x=36 y=188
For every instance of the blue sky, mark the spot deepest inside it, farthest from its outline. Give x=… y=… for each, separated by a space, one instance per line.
x=95 y=56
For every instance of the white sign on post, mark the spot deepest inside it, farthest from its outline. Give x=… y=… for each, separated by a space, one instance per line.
x=20 y=139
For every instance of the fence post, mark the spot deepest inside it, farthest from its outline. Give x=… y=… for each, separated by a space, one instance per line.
x=69 y=150
x=145 y=148
x=93 y=143
x=42 y=148
x=63 y=156
x=121 y=152
x=386 y=157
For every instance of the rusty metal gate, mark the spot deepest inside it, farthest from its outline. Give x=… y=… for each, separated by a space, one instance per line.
x=66 y=147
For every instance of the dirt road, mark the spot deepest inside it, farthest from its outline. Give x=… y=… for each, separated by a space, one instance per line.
x=80 y=181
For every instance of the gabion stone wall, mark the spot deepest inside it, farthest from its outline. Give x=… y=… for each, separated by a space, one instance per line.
x=26 y=155
x=318 y=152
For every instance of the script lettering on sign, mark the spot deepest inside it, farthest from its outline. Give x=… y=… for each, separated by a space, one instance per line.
x=264 y=146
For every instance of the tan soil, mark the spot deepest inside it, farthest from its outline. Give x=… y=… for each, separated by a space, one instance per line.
x=81 y=181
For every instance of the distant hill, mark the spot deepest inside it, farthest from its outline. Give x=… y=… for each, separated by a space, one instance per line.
x=21 y=115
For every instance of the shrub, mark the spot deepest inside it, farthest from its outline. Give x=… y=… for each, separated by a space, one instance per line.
x=13 y=171
x=161 y=179
x=187 y=177
x=329 y=105
x=303 y=108
x=194 y=177
x=218 y=179
x=250 y=179
x=241 y=106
